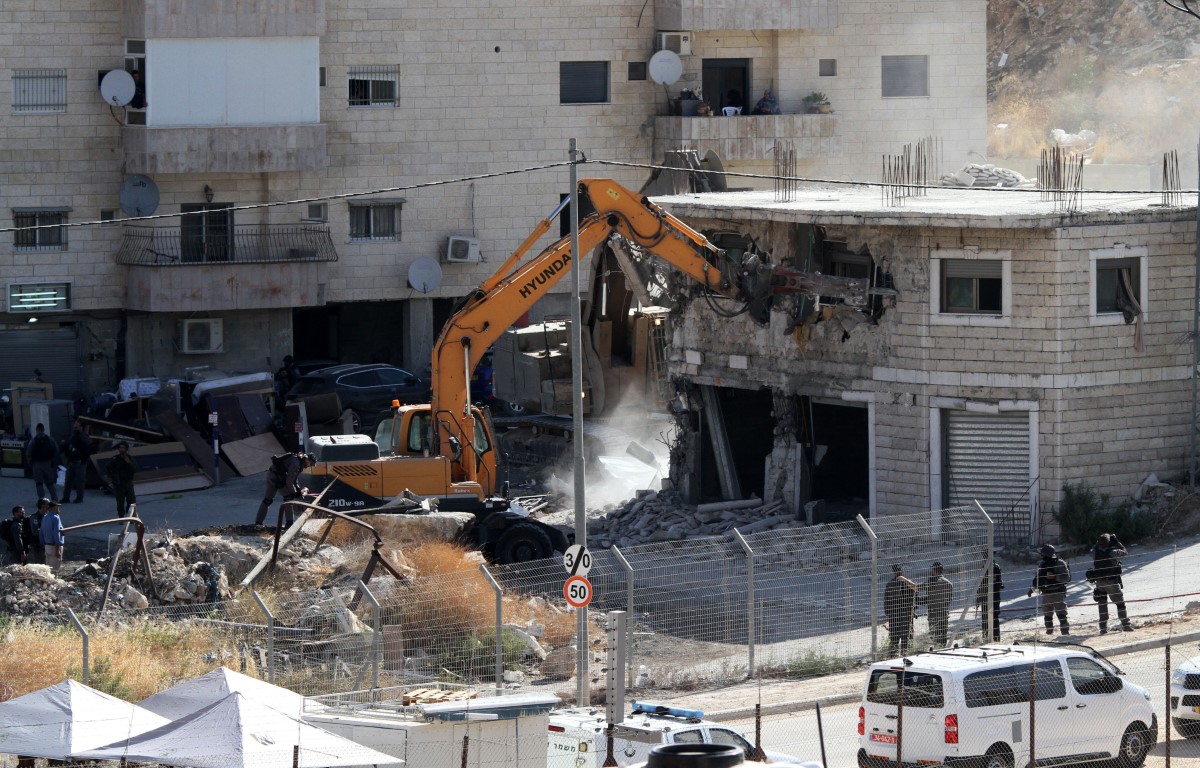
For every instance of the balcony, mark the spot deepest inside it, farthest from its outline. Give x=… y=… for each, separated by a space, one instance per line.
x=749 y=137
x=702 y=15
x=251 y=266
x=224 y=149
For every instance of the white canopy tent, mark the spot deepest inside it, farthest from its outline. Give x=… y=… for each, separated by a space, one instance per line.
x=194 y=695
x=58 y=721
x=238 y=732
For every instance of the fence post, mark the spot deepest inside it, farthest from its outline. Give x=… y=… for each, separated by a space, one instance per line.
x=989 y=601
x=750 y=595
x=83 y=633
x=499 y=626
x=874 y=584
x=629 y=612
x=376 y=640
x=270 y=636
x=1167 y=701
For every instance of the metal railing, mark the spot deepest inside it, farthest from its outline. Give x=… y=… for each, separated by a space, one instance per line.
x=240 y=244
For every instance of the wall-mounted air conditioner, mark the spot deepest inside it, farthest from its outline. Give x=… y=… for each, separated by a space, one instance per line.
x=201 y=336
x=676 y=42
x=462 y=250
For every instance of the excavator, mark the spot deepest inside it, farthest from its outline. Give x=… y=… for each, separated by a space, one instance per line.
x=445 y=451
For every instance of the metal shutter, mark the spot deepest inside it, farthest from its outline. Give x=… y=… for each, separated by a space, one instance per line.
x=583 y=82
x=987 y=460
x=905 y=76
x=54 y=351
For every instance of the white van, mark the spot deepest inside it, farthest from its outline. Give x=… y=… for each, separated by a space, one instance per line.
x=971 y=707
x=579 y=736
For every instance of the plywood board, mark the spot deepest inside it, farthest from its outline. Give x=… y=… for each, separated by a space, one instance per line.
x=197 y=447
x=258 y=416
x=252 y=455
x=192 y=482
x=230 y=421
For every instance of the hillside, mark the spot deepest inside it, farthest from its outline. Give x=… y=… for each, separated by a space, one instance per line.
x=1129 y=70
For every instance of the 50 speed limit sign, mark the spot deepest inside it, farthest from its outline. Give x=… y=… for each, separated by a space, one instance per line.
x=578 y=591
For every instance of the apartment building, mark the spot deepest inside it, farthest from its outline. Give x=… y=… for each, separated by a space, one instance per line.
x=268 y=176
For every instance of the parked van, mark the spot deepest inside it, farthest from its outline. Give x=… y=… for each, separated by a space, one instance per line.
x=971 y=707
x=579 y=736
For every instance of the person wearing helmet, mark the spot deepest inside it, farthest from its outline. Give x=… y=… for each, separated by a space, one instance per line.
x=1051 y=579
x=284 y=476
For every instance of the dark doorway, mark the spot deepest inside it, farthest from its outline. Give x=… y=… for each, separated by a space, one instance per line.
x=206 y=232
x=839 y=459
x=749 y=423
x=725 y=83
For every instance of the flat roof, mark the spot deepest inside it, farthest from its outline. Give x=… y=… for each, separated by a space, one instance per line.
x=960 y=658
x=859 y=205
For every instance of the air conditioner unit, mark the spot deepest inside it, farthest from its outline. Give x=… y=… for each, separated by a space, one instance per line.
x=676 y=42
x=201 y=336
x=462 y=250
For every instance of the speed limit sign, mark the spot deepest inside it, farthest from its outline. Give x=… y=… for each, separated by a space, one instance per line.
x=577 y=560
x=577 y=591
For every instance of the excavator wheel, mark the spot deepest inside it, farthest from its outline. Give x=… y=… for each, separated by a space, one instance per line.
x=523 y=542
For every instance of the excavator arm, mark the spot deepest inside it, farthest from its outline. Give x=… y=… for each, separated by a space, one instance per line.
x=488 y=311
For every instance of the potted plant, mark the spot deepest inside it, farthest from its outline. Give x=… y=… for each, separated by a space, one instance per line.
x=817 y=103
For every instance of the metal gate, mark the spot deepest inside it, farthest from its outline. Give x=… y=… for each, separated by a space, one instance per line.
x=987 y=459
x=53 y=351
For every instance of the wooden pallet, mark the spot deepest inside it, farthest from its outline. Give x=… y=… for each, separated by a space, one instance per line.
x=435 y=696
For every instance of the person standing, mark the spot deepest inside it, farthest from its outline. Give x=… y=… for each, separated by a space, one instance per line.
x=1052 y=578
x=119 y=473
x=1106 y=576
x=937 y=593
x=18 y=535
x=43 y=457
x=77 y=449
x=981 y=599
x=284 y=475
x=899 y=600
x=37 y=550
x=53 y=537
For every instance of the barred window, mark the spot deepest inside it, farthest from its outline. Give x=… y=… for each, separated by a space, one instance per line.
x=39 y=297
x=376 y=220
x=374 y=86
x=40 y=230
x=39 y=91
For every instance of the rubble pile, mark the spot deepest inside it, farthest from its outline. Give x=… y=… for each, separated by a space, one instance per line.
x=662 y=516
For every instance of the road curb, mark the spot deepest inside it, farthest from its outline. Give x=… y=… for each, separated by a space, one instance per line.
x=742 y=713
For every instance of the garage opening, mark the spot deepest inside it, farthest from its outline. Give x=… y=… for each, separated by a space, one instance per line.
x=838 y=458
x=750 y=428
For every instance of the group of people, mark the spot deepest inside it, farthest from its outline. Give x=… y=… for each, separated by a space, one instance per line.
x=45 y=455
x=37 y=538
x=902 y=595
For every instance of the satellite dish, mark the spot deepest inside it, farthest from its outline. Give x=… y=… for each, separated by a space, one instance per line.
x=425 y=274
x=665 y=67
x=117 y=87
x=139 y=196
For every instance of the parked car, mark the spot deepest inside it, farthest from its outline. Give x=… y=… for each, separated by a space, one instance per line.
x=1185 y=698
x=483 y=389
x=970 y=707
x=366 y=391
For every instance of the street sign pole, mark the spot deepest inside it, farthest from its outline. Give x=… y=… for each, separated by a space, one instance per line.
x=212 y=419
x=582 y=696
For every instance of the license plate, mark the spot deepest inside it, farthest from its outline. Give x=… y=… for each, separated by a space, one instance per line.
x=883 y=738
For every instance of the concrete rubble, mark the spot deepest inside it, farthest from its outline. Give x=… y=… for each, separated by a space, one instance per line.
x=662 y=516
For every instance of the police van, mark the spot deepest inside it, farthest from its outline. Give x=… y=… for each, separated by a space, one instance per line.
x=579 y=736
x=971 y=707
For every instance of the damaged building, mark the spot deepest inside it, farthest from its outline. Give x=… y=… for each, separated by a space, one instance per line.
x=1014 y=347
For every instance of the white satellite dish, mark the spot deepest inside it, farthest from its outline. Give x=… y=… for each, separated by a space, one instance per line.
x=117 y=87
x=665 y=67
x=425 y=274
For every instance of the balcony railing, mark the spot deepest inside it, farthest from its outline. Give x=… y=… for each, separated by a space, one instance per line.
x=240 y=244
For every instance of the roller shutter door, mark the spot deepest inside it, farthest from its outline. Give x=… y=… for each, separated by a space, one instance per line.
x=987 y=460
x=53 y=351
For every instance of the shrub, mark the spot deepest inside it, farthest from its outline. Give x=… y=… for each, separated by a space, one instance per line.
x=1086 y=513
x=475 y=657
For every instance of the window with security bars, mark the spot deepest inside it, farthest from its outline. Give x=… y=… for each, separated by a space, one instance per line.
x=39 y=90
x=374 y=221
x=39 y=230
x=374 y=86
x=583 y=82
x=39 y=297
x=905 y=76
x=972 y=286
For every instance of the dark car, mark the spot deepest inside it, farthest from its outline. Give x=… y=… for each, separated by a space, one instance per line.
x=366 y=391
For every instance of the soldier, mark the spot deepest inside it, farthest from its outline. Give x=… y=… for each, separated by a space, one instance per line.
x=1105 y=575
x=119 y=473
x=899 y=600
x=981 y=599
x=18 y=535
x=77 y=448
x=1052 y=578
x=937 y=593
x=284 y=475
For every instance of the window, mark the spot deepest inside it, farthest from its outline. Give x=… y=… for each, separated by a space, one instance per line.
x=727 y=738
x=1010 y=685
x=39 y=297
x=972 y=286
x=420 y=432
x=1088 y=677
x=583 y=82
x=921 y=689
x=637 y=70
x=1118 y=287
x=694 y=736
x=40 y=230
x=905 y=76
x=37 y=91
x=374 y=86
x=108 y=217
x=316 y=212
x=827 y=67
x=375 y=221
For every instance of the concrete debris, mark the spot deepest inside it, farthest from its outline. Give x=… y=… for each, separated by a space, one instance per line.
x=986 y=175
x=662 y=516
x=1082 y=143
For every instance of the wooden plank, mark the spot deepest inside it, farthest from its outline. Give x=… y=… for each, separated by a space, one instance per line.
x=252 y=455
x=257 y=415
x=119 y=429
x=193 y=482
x=197 y=448
x=230 y=421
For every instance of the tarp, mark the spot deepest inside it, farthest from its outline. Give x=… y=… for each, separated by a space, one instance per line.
x=194 y=695
x=238 y=732
x=66 y=718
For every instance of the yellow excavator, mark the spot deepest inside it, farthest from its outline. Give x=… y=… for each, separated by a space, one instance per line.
x=445 y=450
